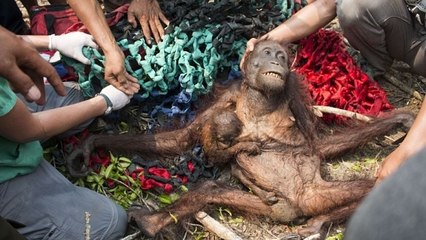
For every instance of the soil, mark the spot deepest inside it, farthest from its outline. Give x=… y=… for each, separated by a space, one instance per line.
x=361 y=164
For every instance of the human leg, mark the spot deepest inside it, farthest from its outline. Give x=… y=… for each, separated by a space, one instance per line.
x=395 y=209
x=383 y=30
x=51 y=207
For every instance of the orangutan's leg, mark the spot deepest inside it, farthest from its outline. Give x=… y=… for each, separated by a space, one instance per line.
x=206 y=193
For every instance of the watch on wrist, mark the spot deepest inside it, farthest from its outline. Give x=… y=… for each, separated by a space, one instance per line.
x=109 y=104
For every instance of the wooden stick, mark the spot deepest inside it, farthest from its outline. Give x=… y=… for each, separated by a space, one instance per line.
x=422 y=79
x=214 y=226
x=313 y=237
x=132 y=236
x=341 y=112
x=401 y=86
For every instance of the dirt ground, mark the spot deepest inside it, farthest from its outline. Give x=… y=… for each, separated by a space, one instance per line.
x=361 y=164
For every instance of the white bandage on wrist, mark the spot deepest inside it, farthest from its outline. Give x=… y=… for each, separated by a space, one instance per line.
x=50 y=41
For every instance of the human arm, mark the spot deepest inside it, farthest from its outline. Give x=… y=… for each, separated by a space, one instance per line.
x=306 y=21
x=69 y=44
x=150 y=17
x=42 y=125
x=412 y=143
x=90 y=13
x=25 y=69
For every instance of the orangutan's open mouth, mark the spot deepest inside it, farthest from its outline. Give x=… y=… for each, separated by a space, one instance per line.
x=273 y=74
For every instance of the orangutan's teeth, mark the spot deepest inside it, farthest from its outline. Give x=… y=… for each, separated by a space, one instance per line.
x=272 y=74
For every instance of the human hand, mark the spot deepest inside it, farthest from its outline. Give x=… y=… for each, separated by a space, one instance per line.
x=71 y=45
x=391 y=163
x=25 y=69
x=249 y=48
x=116 y=74
x=150 y=17
x=117 y=98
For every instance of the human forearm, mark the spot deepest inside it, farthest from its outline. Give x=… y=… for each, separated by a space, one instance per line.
x=90 y=13
x=59 y=120
x=92 y=16
x=306 y=21
x=21 y=126
x=40 y=42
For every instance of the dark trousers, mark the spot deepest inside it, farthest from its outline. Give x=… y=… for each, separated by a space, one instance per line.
x=11 y=17
x=383 y=31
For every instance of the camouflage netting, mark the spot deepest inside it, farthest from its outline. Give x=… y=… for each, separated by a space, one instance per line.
x=204 y=39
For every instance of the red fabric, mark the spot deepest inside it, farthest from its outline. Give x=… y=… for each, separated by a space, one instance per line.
x=191 y=167
x=112 y=19
x=49 y=19
x=99 y=159
x=160 y=172
x=149 y=183
x=334 y=79
x=60 y=19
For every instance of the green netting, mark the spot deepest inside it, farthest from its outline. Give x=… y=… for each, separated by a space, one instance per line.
x=186 y=59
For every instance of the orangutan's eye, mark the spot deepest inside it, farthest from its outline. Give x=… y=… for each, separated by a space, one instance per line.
x=282 y=57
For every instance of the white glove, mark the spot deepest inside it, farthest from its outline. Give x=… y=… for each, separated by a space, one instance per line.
x=117 y=98
x=71 y=45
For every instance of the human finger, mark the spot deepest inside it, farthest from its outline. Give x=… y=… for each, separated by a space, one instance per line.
x=249 y=48
x=155 y=27
x=164 y=19
x=44 y=69
x=55 y=81
x=21 y=83
x=145 y=29
x=34 y=62
x=250 y=44
x=133 y=83
x=124 y=83
x=132 y=19
x=39 y=83
x=91 y=42
x=81 y=58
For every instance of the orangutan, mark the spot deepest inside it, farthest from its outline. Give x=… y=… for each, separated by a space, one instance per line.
x=266 y=130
